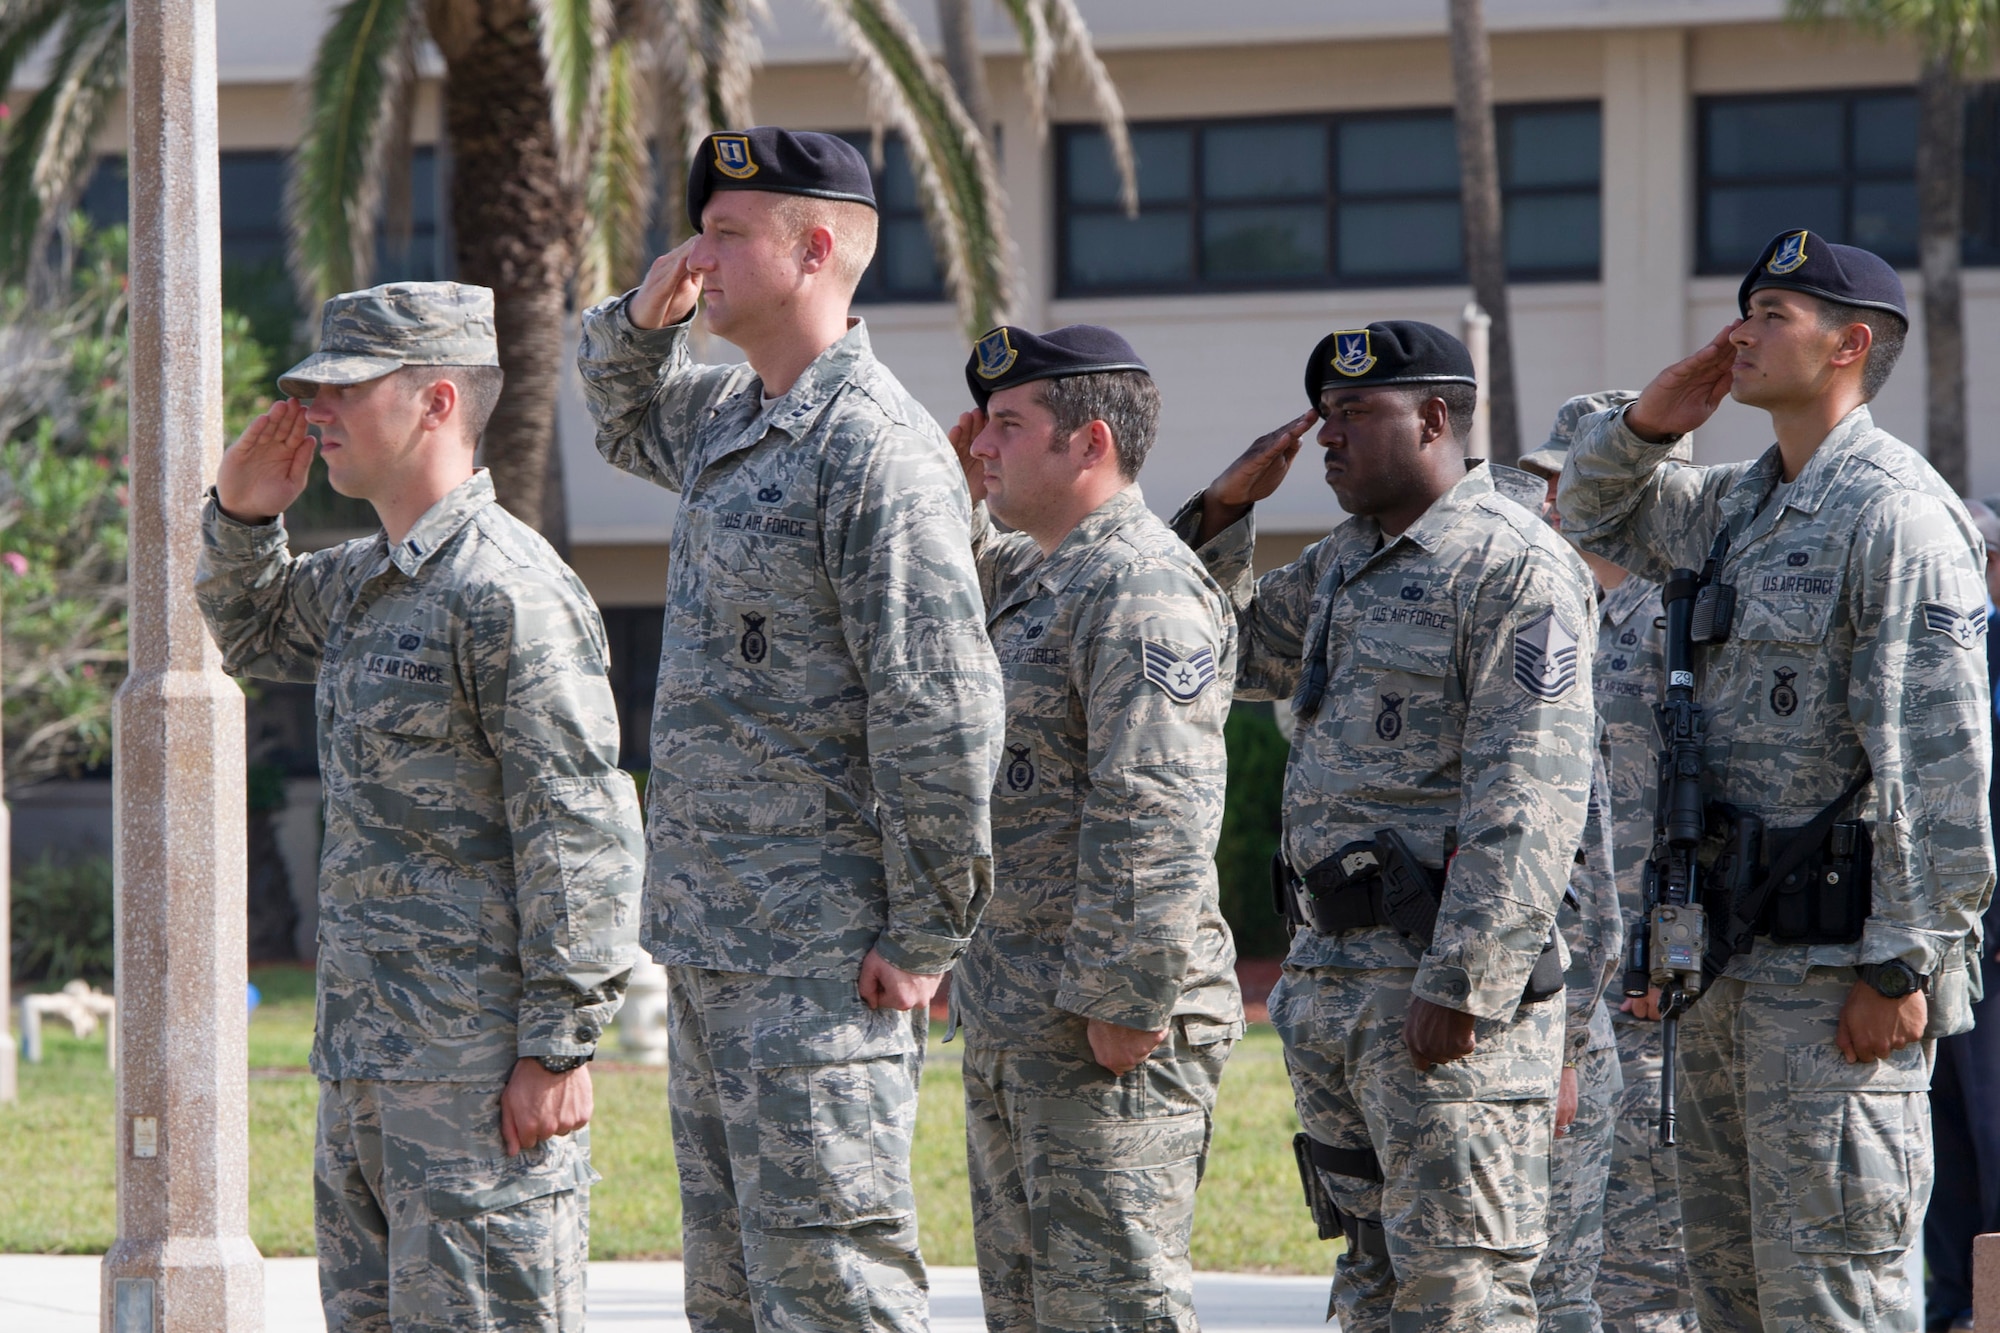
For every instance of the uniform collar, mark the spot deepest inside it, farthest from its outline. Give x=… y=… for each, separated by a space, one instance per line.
x=1618 y=605
x=441 y=522
x=796 y=408
x=1069 y=558
x=1364 y=535
x=1816 y=478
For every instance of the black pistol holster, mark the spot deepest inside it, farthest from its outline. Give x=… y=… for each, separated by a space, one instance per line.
x=1379 y=882
x=1365 y=1238
x=1808 y=885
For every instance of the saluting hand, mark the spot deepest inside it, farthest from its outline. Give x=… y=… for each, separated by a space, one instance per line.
x=1684 y=396
x=669 y=291
x=1253 y=476
x=970 y=424
x=266 y=469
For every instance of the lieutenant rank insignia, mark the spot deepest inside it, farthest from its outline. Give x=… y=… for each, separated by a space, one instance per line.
x=1789 y=256
x=1352 y=354
x=1183 y=678
x=1964 y=630
x=732 y=156
x=1545 y=657
x=996 y=354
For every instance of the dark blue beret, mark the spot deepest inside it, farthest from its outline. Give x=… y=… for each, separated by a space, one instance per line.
x=1009 y=356
x=1802 y=262
x=778 y=161
x=1391 y=351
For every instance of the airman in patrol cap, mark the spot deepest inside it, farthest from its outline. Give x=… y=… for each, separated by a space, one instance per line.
x=825 y=736
x=479 y=882
x=1843 y=672
x=1099 y=999
x=1434 y=803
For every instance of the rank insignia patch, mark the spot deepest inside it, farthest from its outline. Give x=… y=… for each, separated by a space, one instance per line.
x=1964 y=630
x=1183 y=678
x=1789 y=256
x=1353 y=354
x=1020 y=769
x=732 y=156
x=996 y=355
x=1545 y=657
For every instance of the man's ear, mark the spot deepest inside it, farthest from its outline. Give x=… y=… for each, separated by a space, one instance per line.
x=818 y=249
x=440 y=403
x=1433 y=421
x=1855 y=340
x=1098 y=444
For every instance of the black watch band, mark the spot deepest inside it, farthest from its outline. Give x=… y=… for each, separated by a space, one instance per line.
x=562 y=1064
x=1894 y=979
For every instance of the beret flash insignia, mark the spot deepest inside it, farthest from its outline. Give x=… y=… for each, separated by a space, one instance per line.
x=1353 y=355
x=1790 y=255
x=996 y=354
x=732 y=156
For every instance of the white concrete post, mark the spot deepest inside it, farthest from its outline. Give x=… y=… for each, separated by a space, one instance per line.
x=1476 y=326
x=183 y=1262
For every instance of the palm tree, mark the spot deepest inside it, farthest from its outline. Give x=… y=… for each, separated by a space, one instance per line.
x=1955 y=37
x=1485 y=236
x=549 y=110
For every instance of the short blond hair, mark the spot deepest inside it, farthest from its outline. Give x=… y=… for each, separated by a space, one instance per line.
x=854 y=227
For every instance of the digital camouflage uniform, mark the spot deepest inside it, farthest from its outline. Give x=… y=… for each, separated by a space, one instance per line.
x=824 y=740
x=1856 y=646
x=1642 y=1284
x=1438 y=690
x=479 y=878
x=1117 y=651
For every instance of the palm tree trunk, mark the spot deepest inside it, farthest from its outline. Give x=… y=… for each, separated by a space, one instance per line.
x=515 y=218
x=964 y=63
x=1940 y=208
x=1479 y=186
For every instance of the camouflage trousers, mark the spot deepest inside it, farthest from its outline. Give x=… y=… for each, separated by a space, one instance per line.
x=1083 y=1185
x=1804 y=1179
x=1642 y=1285
x=1464 y=1150
x=793 y=1106
x=425 y=1225
x=1580 y=1164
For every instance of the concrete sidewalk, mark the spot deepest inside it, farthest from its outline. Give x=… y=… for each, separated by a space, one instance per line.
x=58 y=1294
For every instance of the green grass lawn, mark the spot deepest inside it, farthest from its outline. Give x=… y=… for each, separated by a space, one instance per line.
x=56 y=1193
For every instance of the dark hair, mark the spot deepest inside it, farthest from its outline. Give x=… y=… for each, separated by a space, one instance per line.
x=1889 y=330
x=1126 y=400
x=1460 y=402
x=478 y=390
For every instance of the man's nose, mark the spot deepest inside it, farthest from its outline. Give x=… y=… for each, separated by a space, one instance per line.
x=317 y=413
x=699 y=259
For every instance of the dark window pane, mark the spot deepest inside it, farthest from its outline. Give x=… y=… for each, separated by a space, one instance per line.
x=1552 y=147
x=104 y=199
x=898 y=183
x=1258 y=161
x=909 y=264
x=1885 y=134
x=1166 y=167
x=1264 y=242
x=1415 y=239
x=1885 y=218
x=1553 y=233
x=1403 y=155
x=1742 y=218
x=1790 y=138
x=1109 y=250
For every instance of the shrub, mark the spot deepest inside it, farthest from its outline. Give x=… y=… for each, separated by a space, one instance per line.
x=61 y=920
x=1250 y=820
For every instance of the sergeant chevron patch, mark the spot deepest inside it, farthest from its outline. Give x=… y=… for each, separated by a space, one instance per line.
x=1545 y=657
x=1183 y=678
x=1962 y=628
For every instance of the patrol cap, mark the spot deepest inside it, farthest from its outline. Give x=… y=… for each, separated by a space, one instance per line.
x=1801 y=261
x=1009 y=356
x=778 y=162
x=365 y=335
x=1547 y=461
x=1391 y=351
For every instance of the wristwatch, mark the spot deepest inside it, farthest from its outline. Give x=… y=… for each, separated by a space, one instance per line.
x=1893 y=979
x=562 y=1064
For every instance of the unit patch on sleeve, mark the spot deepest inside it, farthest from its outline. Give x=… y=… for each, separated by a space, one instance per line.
x=1963 y=629
x=1545 y=657
x=1183 y=678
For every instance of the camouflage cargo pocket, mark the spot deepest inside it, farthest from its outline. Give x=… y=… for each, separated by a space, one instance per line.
x=836 y=1108
x=508 y=1241
x=1117 y=1194
x=1858 y=1166
x=1480 y=1135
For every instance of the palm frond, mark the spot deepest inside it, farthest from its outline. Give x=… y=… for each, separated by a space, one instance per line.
x=620 y=188
x=45 y=156
x=909 y=90
x=573 y=36
x=1965 y=32
x=732 y=54
x=706 y=57
x=1038 y=59
x=396 y=152
x=336 y=177
x=1053 y=31
x=23 y=26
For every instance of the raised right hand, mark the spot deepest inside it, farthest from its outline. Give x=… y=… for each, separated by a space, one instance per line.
x=1684 y=396
x=961 y=436
x=669 y=291
x=1254 y=475
x=266 y=469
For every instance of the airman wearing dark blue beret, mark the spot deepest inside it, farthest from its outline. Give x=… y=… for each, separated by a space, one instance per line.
x=777 y=161
x=1390 y=352
x=1009 y=356
x=1802 y=262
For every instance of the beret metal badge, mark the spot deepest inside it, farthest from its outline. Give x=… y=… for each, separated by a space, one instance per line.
x=732 y=156
x=1790 y=255
x=996 y=355
x=1353 y=354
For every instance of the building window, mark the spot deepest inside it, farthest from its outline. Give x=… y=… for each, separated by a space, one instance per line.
x=1322 y=201
x=1840 y=163
x=905 y=267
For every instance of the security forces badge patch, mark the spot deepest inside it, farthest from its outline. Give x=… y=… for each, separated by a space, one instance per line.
x=1545 y=657
x=1790 y=255
x=732 y=156
x=1183 y=678
x=1020 y=769
x=996 y=355
x=1353 y=353
x=1963 y=629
